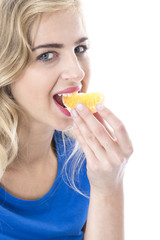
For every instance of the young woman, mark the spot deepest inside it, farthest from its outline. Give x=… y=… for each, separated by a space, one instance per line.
x=54 y=184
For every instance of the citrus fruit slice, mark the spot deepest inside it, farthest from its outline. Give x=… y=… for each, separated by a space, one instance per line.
x=88 y=99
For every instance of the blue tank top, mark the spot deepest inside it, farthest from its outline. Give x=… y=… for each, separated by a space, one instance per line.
x=60 y=214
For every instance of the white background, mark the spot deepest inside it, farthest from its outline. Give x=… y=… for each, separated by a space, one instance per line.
x=125 y=60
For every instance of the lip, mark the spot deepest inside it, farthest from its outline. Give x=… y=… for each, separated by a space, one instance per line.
x=70 y=90
x=67 y=90
x=63 y=110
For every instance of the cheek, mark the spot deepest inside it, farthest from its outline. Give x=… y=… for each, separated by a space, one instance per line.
x=24 y=96
x=32 y=86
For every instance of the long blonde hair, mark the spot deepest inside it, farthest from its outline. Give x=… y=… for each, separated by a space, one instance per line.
x=16 y=20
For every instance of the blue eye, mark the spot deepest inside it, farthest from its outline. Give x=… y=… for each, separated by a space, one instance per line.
x=47 y=56
x=81 y=49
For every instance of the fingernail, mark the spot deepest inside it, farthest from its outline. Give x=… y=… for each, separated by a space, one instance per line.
x=99 y=106
x=74 y=113
x=79 y=106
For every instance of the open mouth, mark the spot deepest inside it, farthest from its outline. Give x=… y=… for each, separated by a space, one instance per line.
x=58 y=98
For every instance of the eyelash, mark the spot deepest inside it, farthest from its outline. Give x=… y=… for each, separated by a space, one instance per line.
x=42 y=57
x=85 y=48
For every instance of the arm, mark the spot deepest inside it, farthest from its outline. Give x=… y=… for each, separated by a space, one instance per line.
x=107 y=152
x=105 y=217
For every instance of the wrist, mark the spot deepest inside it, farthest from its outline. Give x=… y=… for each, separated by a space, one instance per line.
x=106 y=209
x=115 y=191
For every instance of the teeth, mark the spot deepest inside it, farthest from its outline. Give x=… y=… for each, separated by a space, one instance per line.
x=66 y=94
x=69 y=94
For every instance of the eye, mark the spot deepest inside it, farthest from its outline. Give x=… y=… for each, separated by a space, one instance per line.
x=47 y=56
x=81 y=49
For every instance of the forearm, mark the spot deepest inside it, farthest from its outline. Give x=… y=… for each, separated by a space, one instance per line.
x=107 y=152
x=105 y=217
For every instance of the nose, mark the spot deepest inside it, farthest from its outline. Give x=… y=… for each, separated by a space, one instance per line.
x=72 y=69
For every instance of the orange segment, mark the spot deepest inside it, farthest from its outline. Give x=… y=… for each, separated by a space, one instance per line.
x=88 y=99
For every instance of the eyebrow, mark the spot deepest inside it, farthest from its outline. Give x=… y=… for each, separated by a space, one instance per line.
x=58 y=45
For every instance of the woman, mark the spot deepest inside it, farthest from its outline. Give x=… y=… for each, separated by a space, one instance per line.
x=47 y=189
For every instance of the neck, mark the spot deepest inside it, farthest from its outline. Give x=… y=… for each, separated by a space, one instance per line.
x=35 y=146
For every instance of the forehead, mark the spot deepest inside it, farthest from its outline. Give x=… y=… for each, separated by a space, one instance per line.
x=63 y=26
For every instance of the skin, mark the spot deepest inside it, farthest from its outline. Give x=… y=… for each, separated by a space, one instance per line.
x=66 y=67
x=107 y=152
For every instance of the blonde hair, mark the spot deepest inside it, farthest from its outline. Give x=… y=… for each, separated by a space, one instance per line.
x=16 y=20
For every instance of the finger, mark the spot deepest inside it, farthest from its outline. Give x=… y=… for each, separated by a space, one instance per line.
x=89 y=144
x=102 y=146
x=89 y=153
x=119 y=129
x=98 y=130
x=90 y=139
x=106 y=125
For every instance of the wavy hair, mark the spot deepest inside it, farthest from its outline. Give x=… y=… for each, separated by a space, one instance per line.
x=16 y=20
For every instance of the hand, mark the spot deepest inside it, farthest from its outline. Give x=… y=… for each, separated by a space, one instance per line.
x=107 y=151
